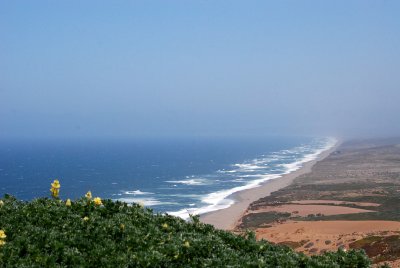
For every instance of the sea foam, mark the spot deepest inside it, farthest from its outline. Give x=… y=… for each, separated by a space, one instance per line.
x=191 y=182
x=223 y=198
x=148 y=202
x=137 y=192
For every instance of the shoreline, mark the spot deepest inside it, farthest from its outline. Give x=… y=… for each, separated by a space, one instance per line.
x=226 y=219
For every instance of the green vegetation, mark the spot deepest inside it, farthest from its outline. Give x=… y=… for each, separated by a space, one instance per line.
x=294 y=244
x=103 y=233
x=262 y=219
x=368 y=216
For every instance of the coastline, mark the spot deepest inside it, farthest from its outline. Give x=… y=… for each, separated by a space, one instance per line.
x=226 y=219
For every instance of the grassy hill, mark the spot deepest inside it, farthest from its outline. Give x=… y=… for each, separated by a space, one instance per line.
x=104 y=233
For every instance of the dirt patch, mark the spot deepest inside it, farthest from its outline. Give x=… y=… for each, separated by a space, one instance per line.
x=326 y=235
x=306 y=210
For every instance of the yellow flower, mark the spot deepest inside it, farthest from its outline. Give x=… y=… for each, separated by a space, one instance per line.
x=165 y=226
x=97 y=201
x=55 y=184
x=2 y=234
x=88 y=195
x=1 y=203
x=86 y=218
x=122 y=226
x=186 y=244
x=68 y=202
x=54 y=192
x=55 y=188
x=2 y=237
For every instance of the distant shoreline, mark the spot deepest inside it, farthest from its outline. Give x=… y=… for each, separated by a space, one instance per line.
x=227 y=218
x=349 y=200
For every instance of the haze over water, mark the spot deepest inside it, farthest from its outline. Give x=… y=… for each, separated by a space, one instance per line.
x=97 y=69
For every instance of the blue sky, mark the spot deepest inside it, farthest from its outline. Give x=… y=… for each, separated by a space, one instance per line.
x=167 y=68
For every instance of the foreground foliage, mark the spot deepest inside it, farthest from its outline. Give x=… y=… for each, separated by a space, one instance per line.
x=82 y=233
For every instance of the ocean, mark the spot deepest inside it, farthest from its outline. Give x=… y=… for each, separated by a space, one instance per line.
x=178 y=176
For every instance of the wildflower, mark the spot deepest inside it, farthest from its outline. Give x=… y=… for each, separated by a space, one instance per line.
x=1 y=203
x=88 y=195
x=86 y=218
x=2 y=235
x=122 y=226
x=55 y=188
x=56 y=184
x=164 y=226
x=97 y=201
x=186 y=244
x=68 y=202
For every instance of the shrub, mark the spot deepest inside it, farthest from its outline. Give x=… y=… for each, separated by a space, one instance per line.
x=50 y=233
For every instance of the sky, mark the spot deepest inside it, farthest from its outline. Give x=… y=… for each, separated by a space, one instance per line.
x=199 y=68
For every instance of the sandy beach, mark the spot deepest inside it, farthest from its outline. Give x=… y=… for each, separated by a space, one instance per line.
x=227 y=219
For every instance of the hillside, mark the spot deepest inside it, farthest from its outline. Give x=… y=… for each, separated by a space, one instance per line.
x=351 y=200
x=103 y=233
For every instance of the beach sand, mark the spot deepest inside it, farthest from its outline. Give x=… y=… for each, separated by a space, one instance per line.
x=227 y=219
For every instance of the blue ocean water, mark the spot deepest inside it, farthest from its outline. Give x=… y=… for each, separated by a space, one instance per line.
x=178 y=176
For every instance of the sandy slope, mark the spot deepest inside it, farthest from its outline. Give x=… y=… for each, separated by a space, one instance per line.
x=326 y=235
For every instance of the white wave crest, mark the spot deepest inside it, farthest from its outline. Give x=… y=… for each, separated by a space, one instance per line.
x=148 y=202
x=191 y=182
x=137 y=192
x=227 y=171
x=248 y=167
x=290 y=167
x=220 y=199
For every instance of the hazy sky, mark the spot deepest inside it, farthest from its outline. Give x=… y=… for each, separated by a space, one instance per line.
x=134 y=68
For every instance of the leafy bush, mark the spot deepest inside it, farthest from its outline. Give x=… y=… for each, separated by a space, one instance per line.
x=52 y=233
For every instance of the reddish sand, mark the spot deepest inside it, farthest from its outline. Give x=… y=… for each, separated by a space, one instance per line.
x=317 y=236
x=394 y=264
x=305 y=210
